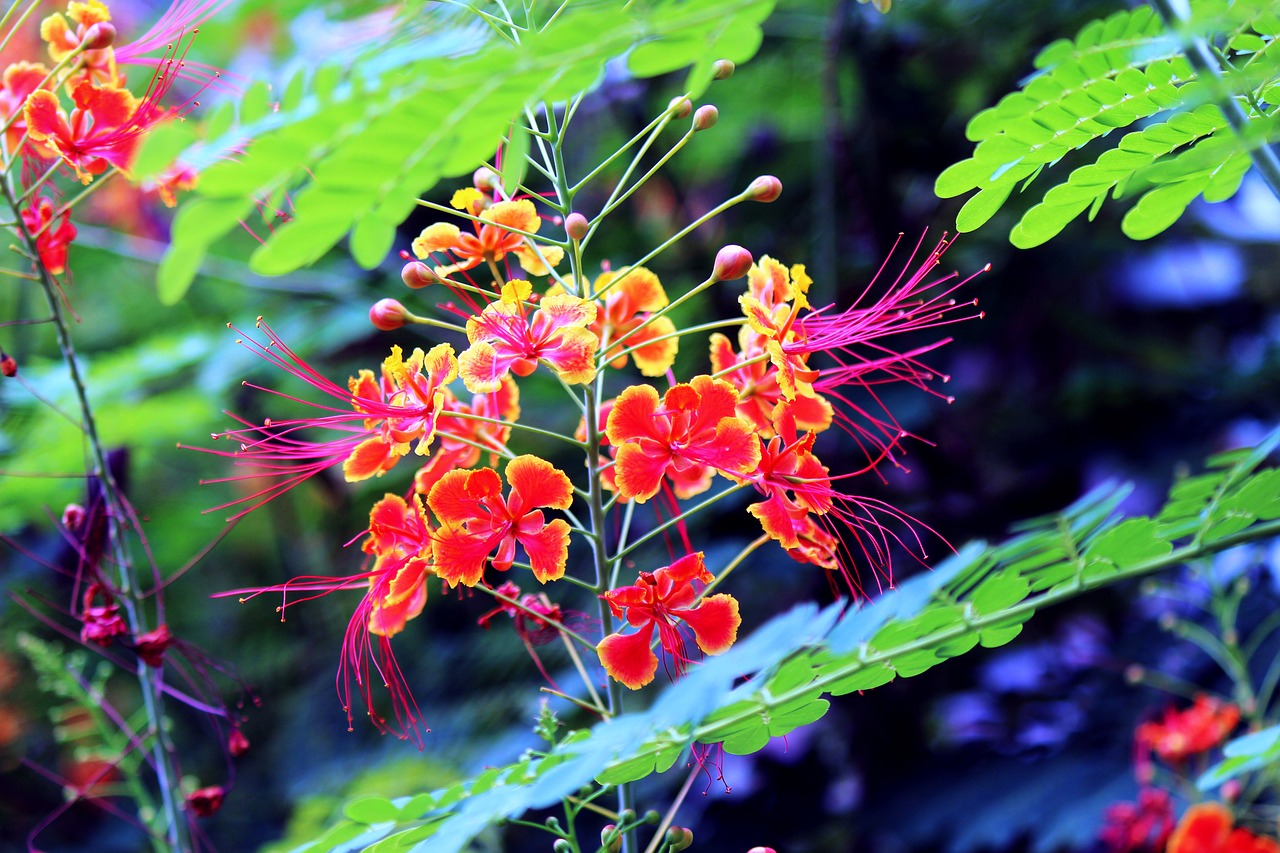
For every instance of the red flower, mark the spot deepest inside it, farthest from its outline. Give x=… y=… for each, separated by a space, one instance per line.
x=1137 y=827
x=152 y=645
x=20 y=80
x=468 y=427
x=1181 y=734
x=237 y=743
x=102 y=623
x=507 y=337
x=477 y=519
x=1206 y=828
x=51 y=240
x=379 y=423
x=693 y=433
x=204 y=802
x=661 y=598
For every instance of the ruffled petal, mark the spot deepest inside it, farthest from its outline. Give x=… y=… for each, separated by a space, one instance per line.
x=438 y=237
x=656 y=358
x=574 y=356
x=638 y=471
x=628 y=658
x=459 y=555
x=481 y=368
x=456 y=498
x=548 y=550
x=539 y=483
x=372 y=457
x=714 y=622
x=521 y=215
x=632 y=415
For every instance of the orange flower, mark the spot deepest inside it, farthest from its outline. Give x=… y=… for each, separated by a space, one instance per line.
x=686 y=435
x=477 y=519
x=103 y=129
x=492 y=241
x=462 y=434
x=660 y=599
x=1206 y=828
x=507 y=337
x=625 y=323
x=1181 y=734
x=760 y=397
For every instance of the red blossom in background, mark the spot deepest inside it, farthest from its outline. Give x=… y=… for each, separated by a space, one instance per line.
x=1141 y=826
x=663 y=598
x=52 y=240
x=1181 y=734
x=101 y=617
x=1206 y=828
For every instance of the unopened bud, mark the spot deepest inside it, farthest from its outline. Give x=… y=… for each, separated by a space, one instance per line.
x=562 y=845
x=73 y=517
x=576 y=226
x=732 y=262
x=722 y=69
x=683 y=106
x=611 y=838
x=416 y=274
x=680 y=838
x=8 y=365
x=762 y=850
x=1134 y=673
x=237 y=743
x=652 y=816
x=1231 y=790
x=205 y=801
x=388 y=315
x=627 y=816
x=485 y=179
x=765 y=188
x=706 y=117
x=99 y=36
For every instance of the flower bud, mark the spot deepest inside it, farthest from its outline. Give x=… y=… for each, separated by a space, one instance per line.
x=8 y=365
x=627 y=816
x=73 y=517
x=206 y=801
x=416 y=274
x=652 y=816
x=152 y=645
x=576 y=226
x=485 y=179
x=237 y=743
x=562 y=845
x=680 y=838
x=705 y=118
x=610 y=838
x=99 y=36
x=388 y=315
x=683 y=106
x=762 y=850
x=732 y=262
x=765 y=188
x=722 y=69
x=1231 y=790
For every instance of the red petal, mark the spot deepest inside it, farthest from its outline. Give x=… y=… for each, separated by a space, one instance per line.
x=456 y=498
x=548 y=550
x=638 y=472
x=460 y=555
x=628 y=658
x=539 y=483
x=714 y=622
x=632 y=415
x=371 y=457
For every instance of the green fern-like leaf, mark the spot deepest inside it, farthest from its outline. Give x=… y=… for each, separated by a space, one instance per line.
x=352 y=151
x=1116 y=73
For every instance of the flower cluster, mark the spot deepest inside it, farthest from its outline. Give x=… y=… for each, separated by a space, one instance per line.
x=72 y=110
x=751 y=419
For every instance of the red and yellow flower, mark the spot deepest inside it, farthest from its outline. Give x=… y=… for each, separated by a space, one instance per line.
x=625 y=321
x=52 y=240
x=662 y=599
x=511 y=337
x=493 y=239
x=686 y=435
x=96 y=65
x=1206 y=828
x=477 y=519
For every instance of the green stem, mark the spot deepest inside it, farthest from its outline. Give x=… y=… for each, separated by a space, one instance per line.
x=688 y=513
x=167 y=778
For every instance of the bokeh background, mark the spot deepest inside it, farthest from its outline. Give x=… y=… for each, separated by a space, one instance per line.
x=1098 y=359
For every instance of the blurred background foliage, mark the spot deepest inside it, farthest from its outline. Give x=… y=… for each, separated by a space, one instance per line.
x=1099 y=358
